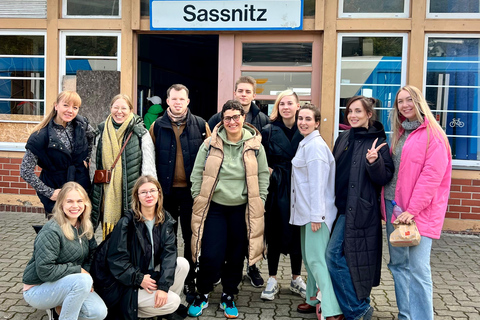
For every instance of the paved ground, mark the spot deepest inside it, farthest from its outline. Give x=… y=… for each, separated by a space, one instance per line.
x=455 y=267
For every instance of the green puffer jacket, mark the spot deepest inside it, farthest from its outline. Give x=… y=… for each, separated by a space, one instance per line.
x=54 y=256
x=132 y=158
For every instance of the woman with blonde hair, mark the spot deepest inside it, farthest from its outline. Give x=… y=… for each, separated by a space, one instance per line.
x=421 y=187
x=122 y=127
x=280 y=139
x=58 y=273
x=61 y=146
x=144 y=277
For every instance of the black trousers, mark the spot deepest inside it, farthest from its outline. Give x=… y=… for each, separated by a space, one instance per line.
x=294 y=251
x=224 y=244
x=179 y=204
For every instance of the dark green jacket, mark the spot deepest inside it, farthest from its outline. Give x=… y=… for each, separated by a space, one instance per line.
x=54 y=256
x=131 y=167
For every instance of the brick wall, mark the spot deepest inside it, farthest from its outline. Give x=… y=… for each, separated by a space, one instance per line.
x=12 y=183
x=464 y=202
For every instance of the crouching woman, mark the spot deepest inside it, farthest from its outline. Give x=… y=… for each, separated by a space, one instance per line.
x=136 y=268
x=57 y=275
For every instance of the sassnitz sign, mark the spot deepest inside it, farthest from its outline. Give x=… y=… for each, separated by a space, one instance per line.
x=226 y=15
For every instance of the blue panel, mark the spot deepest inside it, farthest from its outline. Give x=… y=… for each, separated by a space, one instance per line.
x=74 y=65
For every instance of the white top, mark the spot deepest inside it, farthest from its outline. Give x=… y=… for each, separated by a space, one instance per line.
x=313 y=183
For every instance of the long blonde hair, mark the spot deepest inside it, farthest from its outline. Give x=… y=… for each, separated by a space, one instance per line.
x=84 y=219
x=422 y=112
x=275 y=114
x=137 y=206
x=66 y=96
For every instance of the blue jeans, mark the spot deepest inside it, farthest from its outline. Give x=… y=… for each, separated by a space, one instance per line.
x=72 y=292
x=410 y=267
x=342 y=280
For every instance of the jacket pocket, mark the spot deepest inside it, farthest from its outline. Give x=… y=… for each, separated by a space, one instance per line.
x=299 y=170
x=365 y=214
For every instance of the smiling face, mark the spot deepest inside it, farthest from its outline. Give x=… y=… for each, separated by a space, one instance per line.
x=66 y=112
x=288 y=107
x=233 y=122
x=306 y=122
x=120 y=111
x=245 y=94
x=406 y=106
x=178 y=101
x=357 y=115
x=73 y=206
x=148 y=195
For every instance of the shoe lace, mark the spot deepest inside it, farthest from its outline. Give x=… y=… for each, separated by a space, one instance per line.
x=228 y=301
x=199 y=299
x=253 y=270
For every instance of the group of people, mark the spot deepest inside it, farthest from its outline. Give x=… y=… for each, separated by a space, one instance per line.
x=234 y=183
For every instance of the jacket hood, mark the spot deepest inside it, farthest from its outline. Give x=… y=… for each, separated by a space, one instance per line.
x=374 y=131
x=155 y=109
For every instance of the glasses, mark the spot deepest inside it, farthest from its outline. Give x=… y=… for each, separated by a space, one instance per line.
x=145 y=193
x=234 y=118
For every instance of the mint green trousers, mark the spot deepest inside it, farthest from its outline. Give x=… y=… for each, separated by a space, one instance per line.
x=314 y=245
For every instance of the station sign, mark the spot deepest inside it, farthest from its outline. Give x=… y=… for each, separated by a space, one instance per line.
x=226 y=15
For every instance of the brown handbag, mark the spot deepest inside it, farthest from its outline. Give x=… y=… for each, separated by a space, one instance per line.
x=105 y=175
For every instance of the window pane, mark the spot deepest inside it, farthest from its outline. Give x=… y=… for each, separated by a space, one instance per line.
x=21 y=67
x=373 y=6
x=25 y=90
x=21 y=45
x=452 y=88
x=73 y=65
x=271 y=83
x=454 y=6
x=371 y=66
x=92 y=7
x=277 y=54
x=92 y=46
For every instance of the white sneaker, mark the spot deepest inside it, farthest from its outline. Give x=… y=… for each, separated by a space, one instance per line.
x=271 y=290
x=298 y=286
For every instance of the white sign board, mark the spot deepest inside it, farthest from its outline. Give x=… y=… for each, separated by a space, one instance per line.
x=226 y=15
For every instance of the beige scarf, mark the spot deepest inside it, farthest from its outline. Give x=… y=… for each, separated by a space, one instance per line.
x=112 y=142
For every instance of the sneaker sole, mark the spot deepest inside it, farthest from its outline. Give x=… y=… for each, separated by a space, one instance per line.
x=295 y=290
x=199 y=313
x=252 y=283
x=229 y=316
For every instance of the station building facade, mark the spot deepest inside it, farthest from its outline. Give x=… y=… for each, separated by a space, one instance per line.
x=328 y=52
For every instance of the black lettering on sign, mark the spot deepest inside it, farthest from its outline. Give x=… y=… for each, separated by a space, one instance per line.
x=225 y=15
x=185 y=9
x=262 y=13
x=213 y=15
x=202 y=15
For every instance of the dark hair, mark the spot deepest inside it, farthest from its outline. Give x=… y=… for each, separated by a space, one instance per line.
x=177 y=87
x=367 y=103
x=232 y=105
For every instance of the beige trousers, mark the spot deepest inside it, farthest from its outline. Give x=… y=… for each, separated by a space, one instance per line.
x=146 y=301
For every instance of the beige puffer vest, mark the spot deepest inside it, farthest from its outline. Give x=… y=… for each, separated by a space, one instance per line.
x=255 y=209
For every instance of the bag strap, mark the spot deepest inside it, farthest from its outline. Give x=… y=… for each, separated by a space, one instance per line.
x=123 y=148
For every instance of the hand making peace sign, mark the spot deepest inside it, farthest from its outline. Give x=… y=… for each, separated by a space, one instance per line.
x=372 y=153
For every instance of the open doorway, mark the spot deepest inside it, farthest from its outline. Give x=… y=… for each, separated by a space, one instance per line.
x=192 y=60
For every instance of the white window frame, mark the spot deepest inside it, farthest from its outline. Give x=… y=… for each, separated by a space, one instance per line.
x=20 y=146
x=63 y=49
x=469 y=164
x=403 y=77
x=446 y=15
x=64 y=13
x=374 y=15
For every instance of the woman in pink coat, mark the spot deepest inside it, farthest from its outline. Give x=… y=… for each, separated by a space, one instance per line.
x=420 y=186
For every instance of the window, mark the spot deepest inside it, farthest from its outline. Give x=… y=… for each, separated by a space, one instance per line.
x=373 y=66
x=452 y=88
x=373 y=8
x=278 y=66
x=91 y=8
x=453 y=9
x=89 y=51
x=22 y=76
x=23 y=9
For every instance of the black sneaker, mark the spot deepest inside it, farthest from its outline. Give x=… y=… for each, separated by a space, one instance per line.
x=189 y=290
x=255 y=278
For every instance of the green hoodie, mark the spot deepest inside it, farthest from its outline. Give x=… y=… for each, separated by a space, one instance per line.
x=152 y=115
x=231 y=188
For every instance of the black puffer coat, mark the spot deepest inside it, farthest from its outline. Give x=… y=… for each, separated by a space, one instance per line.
x=119 y=267
x=363 y=227
x=280 y=152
